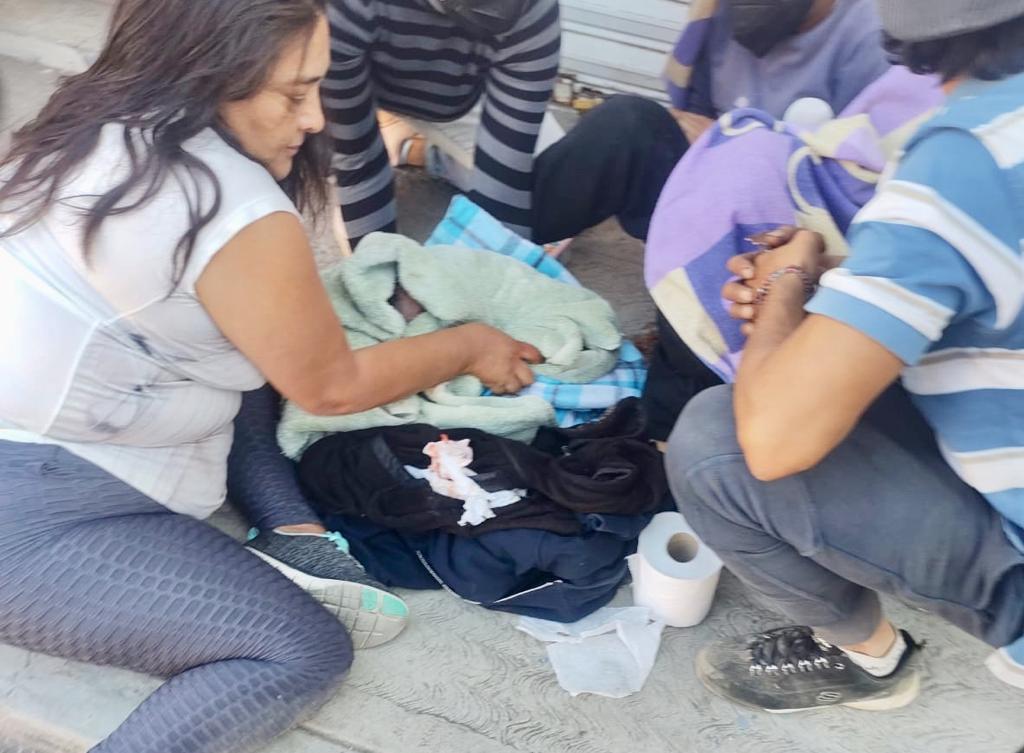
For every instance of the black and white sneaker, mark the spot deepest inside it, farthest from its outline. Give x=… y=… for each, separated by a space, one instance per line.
x=790 y=669
x=322 y=565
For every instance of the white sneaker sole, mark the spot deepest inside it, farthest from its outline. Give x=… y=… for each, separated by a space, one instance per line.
x=368 y=626
x=1005 y=669
x=904 y=694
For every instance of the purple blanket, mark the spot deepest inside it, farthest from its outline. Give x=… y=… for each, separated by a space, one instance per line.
x=750 y=173
x=687 y=50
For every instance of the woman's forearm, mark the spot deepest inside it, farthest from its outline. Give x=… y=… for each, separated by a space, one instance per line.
x=380 y=374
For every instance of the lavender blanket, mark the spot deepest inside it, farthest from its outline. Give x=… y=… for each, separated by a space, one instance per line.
x=750 y=173
x=680 y=67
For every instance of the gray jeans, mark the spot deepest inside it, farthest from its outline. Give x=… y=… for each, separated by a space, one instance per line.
x=882 y=513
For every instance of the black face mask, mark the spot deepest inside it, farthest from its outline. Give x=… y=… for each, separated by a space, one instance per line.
x=484 y=18
x=761 y=25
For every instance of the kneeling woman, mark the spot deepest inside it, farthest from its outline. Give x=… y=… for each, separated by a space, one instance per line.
x=152 y=267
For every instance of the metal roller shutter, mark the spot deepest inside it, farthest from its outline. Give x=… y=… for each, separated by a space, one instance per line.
x=620 y=45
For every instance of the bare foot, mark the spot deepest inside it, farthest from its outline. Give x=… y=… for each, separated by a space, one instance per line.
x=302 y=528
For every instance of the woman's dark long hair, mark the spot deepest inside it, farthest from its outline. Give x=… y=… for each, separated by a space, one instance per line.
x=166 y=68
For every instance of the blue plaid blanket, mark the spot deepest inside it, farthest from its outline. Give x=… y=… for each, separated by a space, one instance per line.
x=581 y=403
x=465 y=224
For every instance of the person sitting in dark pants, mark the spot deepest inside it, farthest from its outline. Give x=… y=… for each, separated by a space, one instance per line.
x=818 y=479
x=615 y=162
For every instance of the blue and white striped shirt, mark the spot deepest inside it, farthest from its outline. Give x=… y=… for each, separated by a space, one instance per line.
x=936 y=275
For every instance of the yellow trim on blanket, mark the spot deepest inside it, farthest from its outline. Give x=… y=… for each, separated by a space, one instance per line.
x=809 y=216
x=728 y=129
x=827 y=140
x=678 y=302
x=678 y=73
x=892 y=145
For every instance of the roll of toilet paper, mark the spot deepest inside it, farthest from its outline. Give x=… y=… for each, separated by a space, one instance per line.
x=674 y=574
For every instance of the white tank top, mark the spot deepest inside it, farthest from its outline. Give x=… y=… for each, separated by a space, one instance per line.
x=99 y=358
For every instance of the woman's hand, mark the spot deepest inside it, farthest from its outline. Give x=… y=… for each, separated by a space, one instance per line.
x=499 y=361
x=294 y=338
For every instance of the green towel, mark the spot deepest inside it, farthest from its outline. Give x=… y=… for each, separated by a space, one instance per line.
x=574 y=328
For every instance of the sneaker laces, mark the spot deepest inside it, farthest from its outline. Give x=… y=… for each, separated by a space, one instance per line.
x=342 y=545
x=790 y=650
x=338 y=540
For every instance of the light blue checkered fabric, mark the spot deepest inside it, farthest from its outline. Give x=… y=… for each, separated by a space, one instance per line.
x=580 y=403
x=466 y=224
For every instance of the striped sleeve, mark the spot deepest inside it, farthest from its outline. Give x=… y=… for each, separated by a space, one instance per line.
x=518 y=89
x=361 y=167
x=939 y=244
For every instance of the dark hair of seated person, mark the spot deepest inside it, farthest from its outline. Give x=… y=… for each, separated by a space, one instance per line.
x=990 y=54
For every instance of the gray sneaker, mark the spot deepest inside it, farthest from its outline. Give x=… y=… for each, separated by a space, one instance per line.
x=322 y=565
x=790 y=669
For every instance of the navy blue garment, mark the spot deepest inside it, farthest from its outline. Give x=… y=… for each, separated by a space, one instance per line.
x=558 y=554
x=524 y=571
x=675 y=375
x=614 y=163
x=513 y=570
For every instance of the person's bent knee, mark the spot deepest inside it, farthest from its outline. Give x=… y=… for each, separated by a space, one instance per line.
x=706 y=428
x=335 y=652
x=631 y=113
x=322 y=652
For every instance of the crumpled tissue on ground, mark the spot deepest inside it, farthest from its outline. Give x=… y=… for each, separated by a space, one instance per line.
x=610 y=652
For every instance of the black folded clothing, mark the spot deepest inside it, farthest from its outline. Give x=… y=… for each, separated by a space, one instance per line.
x=602 y=467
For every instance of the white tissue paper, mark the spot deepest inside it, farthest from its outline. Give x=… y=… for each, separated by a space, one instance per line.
x=674 y=573
x=611 y=652
x=449 y=474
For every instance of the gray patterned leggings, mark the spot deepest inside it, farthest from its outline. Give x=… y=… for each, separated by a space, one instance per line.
x=92 y=570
